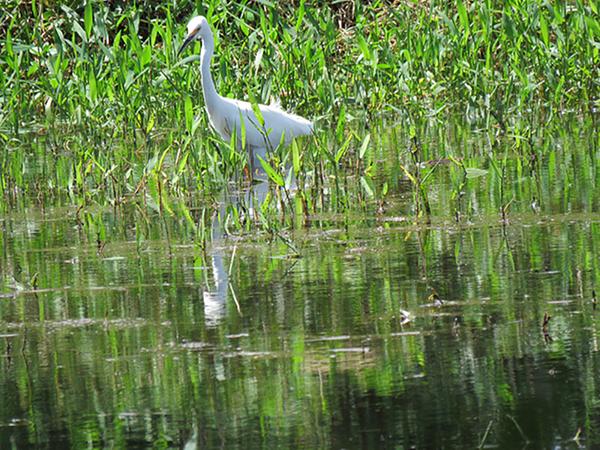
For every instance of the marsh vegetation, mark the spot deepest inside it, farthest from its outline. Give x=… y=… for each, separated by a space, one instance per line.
x=390 y=282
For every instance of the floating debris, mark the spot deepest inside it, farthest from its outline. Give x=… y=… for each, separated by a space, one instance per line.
x=236 y=336
x=405 y=333
x=405 y=317
x=351 y=350
x=113 y=258
x=545 y=323
x=248 y=354
x=16 y=422
x=329 y=338
x=434 y=298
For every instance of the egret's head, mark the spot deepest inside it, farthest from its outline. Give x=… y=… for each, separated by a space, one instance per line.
x=197 y=28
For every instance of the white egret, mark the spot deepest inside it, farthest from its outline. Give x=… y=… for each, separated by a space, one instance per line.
x=228 y=116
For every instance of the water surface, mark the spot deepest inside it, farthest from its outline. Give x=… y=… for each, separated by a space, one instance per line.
x=366 y=329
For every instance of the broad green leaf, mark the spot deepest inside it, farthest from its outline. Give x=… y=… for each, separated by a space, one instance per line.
x=162 y=159
x=8 y=43
x=183 y=162
x=186 y=213
x=92 y=85
x=257 y=111
x=242 y=131
x=33 y=69
x=341 y=123
x=88 y=18
x=342 y=151
x=364 y=146
x=272 y=173
x=189 y=113
x=409 y=175
x=258 y=114
x=80 y=31
x=463 y=16
x=146 y=55
x=544 y=30
x=367 y=186
x=473 y=172
x=295 y=157
x=150 y=124
x=300 y=15
x=364 y=47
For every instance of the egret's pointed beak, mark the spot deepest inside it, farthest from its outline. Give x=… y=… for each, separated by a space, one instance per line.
x=188 y=39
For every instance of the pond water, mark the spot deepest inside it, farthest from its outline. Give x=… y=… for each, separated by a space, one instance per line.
x=362 y=330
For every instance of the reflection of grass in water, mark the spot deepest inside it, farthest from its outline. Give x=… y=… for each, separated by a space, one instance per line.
x=148 y=352
x=96 y=109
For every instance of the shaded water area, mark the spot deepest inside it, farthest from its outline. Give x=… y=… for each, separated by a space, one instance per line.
x=366 y=328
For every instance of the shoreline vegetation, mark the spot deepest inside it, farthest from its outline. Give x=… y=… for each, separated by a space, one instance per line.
x=95 y=107
x=421 y=273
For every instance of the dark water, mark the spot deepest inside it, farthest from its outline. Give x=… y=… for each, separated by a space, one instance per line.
x=145 y=347
x=117 y=330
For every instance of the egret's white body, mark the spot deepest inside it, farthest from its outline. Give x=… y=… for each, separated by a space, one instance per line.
x=228 y=116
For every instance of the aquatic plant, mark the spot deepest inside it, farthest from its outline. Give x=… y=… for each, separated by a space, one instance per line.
x=96 y=108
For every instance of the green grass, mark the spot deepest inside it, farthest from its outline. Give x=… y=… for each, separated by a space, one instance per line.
x=95 y=107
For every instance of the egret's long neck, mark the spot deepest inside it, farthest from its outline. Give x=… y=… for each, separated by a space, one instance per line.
x=208 y=85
